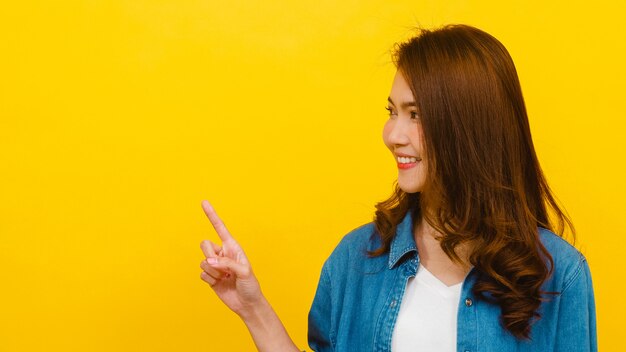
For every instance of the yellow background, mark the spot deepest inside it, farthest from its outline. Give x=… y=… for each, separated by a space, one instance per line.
x=118 y=117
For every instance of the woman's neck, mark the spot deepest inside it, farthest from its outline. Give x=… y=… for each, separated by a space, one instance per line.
x=435 y=259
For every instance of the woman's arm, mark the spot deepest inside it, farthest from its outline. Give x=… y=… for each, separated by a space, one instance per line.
x=576 y=330
x=319 y=334
x=229 y=273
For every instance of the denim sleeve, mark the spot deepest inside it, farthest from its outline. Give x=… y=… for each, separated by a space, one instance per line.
x=319 y=331
x=576 y=329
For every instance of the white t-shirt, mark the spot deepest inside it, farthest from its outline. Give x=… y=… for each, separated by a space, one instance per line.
x=428 y=315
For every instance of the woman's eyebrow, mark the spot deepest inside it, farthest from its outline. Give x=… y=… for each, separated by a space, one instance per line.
x=404 y=105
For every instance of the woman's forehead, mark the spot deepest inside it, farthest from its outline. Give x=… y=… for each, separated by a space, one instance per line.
x=401 y=93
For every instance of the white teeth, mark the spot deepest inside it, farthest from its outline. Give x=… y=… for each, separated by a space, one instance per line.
x=406 y=160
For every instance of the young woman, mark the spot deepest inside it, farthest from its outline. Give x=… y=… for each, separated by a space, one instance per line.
x=464 y=255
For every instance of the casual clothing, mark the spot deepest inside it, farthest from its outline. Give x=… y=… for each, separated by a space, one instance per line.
x=427 y=317
x=358 y=299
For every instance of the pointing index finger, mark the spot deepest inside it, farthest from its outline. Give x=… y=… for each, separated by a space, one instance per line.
x=217 y=223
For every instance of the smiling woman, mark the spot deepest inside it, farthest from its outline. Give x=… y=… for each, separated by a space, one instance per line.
x=404 y=137
x=467 y=254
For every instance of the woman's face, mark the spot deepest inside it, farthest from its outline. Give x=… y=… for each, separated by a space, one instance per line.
x=403 y=136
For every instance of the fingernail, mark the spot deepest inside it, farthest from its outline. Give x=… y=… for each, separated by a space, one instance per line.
x=211 y=260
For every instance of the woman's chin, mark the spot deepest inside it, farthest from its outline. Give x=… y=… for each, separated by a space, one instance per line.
x=410 y=188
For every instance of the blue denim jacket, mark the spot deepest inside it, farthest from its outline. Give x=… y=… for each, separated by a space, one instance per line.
x=358 y=299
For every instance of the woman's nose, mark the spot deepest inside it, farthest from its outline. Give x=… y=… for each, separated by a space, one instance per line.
x=399 y=133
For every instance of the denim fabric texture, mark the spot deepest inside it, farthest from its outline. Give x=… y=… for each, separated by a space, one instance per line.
x=358 y=299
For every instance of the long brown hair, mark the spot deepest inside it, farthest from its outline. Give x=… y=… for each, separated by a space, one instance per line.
x=485 y=187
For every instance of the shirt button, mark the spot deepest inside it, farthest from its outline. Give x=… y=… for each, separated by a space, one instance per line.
x=468 y=302
x=393 y=303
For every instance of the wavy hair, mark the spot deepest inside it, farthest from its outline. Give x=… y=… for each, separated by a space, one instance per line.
x=485 y=187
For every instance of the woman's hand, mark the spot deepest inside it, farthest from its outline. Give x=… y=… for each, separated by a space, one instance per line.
x=228 y=271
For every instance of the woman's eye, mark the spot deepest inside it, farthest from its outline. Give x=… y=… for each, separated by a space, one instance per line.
x=390 y=110
x=414 y=115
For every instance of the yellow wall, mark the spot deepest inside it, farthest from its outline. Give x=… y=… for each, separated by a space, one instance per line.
x=118 y=117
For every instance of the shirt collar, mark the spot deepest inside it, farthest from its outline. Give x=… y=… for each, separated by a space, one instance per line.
x=404 y=241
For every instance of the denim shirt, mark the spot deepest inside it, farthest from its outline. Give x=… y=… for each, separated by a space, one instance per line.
x=358 y=299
